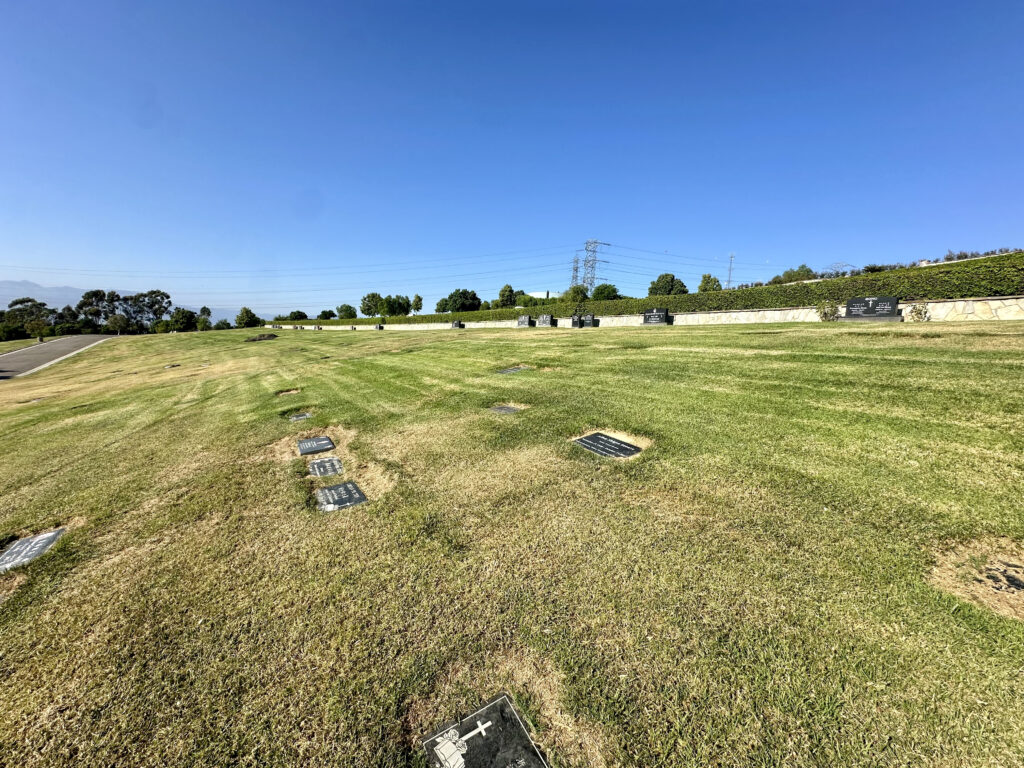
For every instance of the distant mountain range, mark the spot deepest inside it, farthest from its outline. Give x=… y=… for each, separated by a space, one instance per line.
x=59 y=295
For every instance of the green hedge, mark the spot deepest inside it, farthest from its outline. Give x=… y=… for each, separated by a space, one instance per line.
x=974 y=278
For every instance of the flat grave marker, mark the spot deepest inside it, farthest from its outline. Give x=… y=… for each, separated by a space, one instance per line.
x=325 y=467
x=25 y=550
x=315 y=445
x=505 y=409
x=606 y=445
x=335 y=497
x=492 y=737
x=515 y=369
x=172 y=365
x=300 y=416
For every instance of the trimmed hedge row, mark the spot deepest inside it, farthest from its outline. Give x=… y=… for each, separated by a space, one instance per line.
x=994 y=276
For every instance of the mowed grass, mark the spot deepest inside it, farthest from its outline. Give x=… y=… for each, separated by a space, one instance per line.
x=751 y=590
x=11 y=346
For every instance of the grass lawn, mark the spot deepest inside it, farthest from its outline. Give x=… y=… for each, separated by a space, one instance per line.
x=753 y=589
x=10 y=346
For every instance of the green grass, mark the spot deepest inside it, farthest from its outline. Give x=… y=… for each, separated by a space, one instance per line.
x=10 y=346
x=751 y=590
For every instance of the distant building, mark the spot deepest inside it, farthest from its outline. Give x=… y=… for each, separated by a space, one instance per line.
x=545 y=294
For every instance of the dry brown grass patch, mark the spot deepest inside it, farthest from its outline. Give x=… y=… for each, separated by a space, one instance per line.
x=988 y=572
x=527 y=677
x=9 y=583
x=372 y=478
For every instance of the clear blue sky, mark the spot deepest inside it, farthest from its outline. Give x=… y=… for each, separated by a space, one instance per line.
x=297 y=155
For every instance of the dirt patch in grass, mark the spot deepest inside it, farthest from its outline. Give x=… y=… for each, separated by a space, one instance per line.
x=283 y=392
x=988 y=572
x=372 y=478
x=9 y=583
x=536 y=688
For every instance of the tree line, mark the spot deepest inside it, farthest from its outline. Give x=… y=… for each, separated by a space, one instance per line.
x=100 y=311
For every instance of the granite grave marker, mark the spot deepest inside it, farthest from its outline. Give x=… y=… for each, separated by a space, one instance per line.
x=524 y=321
x=25 y=550
x=873 y=308
x=546 y=321
x=325 y=467
x=335 y=497
x=315 y=445
x=492 y=737
x=589 y=321
x=656 y=316
x=515 y=369
x=606 y=445
x=300 y=416
x=505 y=409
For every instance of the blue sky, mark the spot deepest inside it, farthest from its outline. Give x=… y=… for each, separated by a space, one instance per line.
x=298 y=155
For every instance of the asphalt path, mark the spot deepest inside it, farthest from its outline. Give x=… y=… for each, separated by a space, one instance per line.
x=29 y=359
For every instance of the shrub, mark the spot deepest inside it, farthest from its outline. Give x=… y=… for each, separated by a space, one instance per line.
x=828 y=310
x=918 y=313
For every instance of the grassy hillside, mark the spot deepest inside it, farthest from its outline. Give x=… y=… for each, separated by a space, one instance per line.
x=753 y=589
x=11 y=346
x=975 y=278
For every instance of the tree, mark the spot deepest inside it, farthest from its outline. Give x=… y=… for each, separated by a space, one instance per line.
x=36 y=327
x=370 y=304
x=417 y=303
x=394 y=306
x=183 y=320
x=485 y=305
x=246 y=318
x=575 y=294
x=91 y=305
x=118 y=324
x=205 y=312
x=346 y=312
x=145 y=309
x=709 y=283
x=463 y=300
x=605 y=292
x=442 y=305
x=297 y=314
x=327 y=314
x=803 y=272
x=506 y=297
x=203 y=323
x=222 y=325
x=667 y=284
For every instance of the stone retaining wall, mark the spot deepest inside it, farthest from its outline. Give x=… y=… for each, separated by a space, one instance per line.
x=1004 y=308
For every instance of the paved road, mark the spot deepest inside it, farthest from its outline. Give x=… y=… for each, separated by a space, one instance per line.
x=23 y=361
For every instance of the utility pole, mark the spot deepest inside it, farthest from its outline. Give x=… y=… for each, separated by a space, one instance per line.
x=590 y=264
x=728 y=282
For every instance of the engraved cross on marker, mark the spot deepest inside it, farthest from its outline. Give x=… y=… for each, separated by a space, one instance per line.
x=450 y=748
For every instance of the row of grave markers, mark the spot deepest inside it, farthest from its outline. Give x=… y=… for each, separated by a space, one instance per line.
x=494 y=736
x=857 y=308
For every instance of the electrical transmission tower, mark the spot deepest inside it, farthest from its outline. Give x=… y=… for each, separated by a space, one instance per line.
x=728 y=281
x=575 y=269
x=589 y=265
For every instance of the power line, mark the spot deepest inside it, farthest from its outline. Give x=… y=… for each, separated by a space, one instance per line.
x=235 y=273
